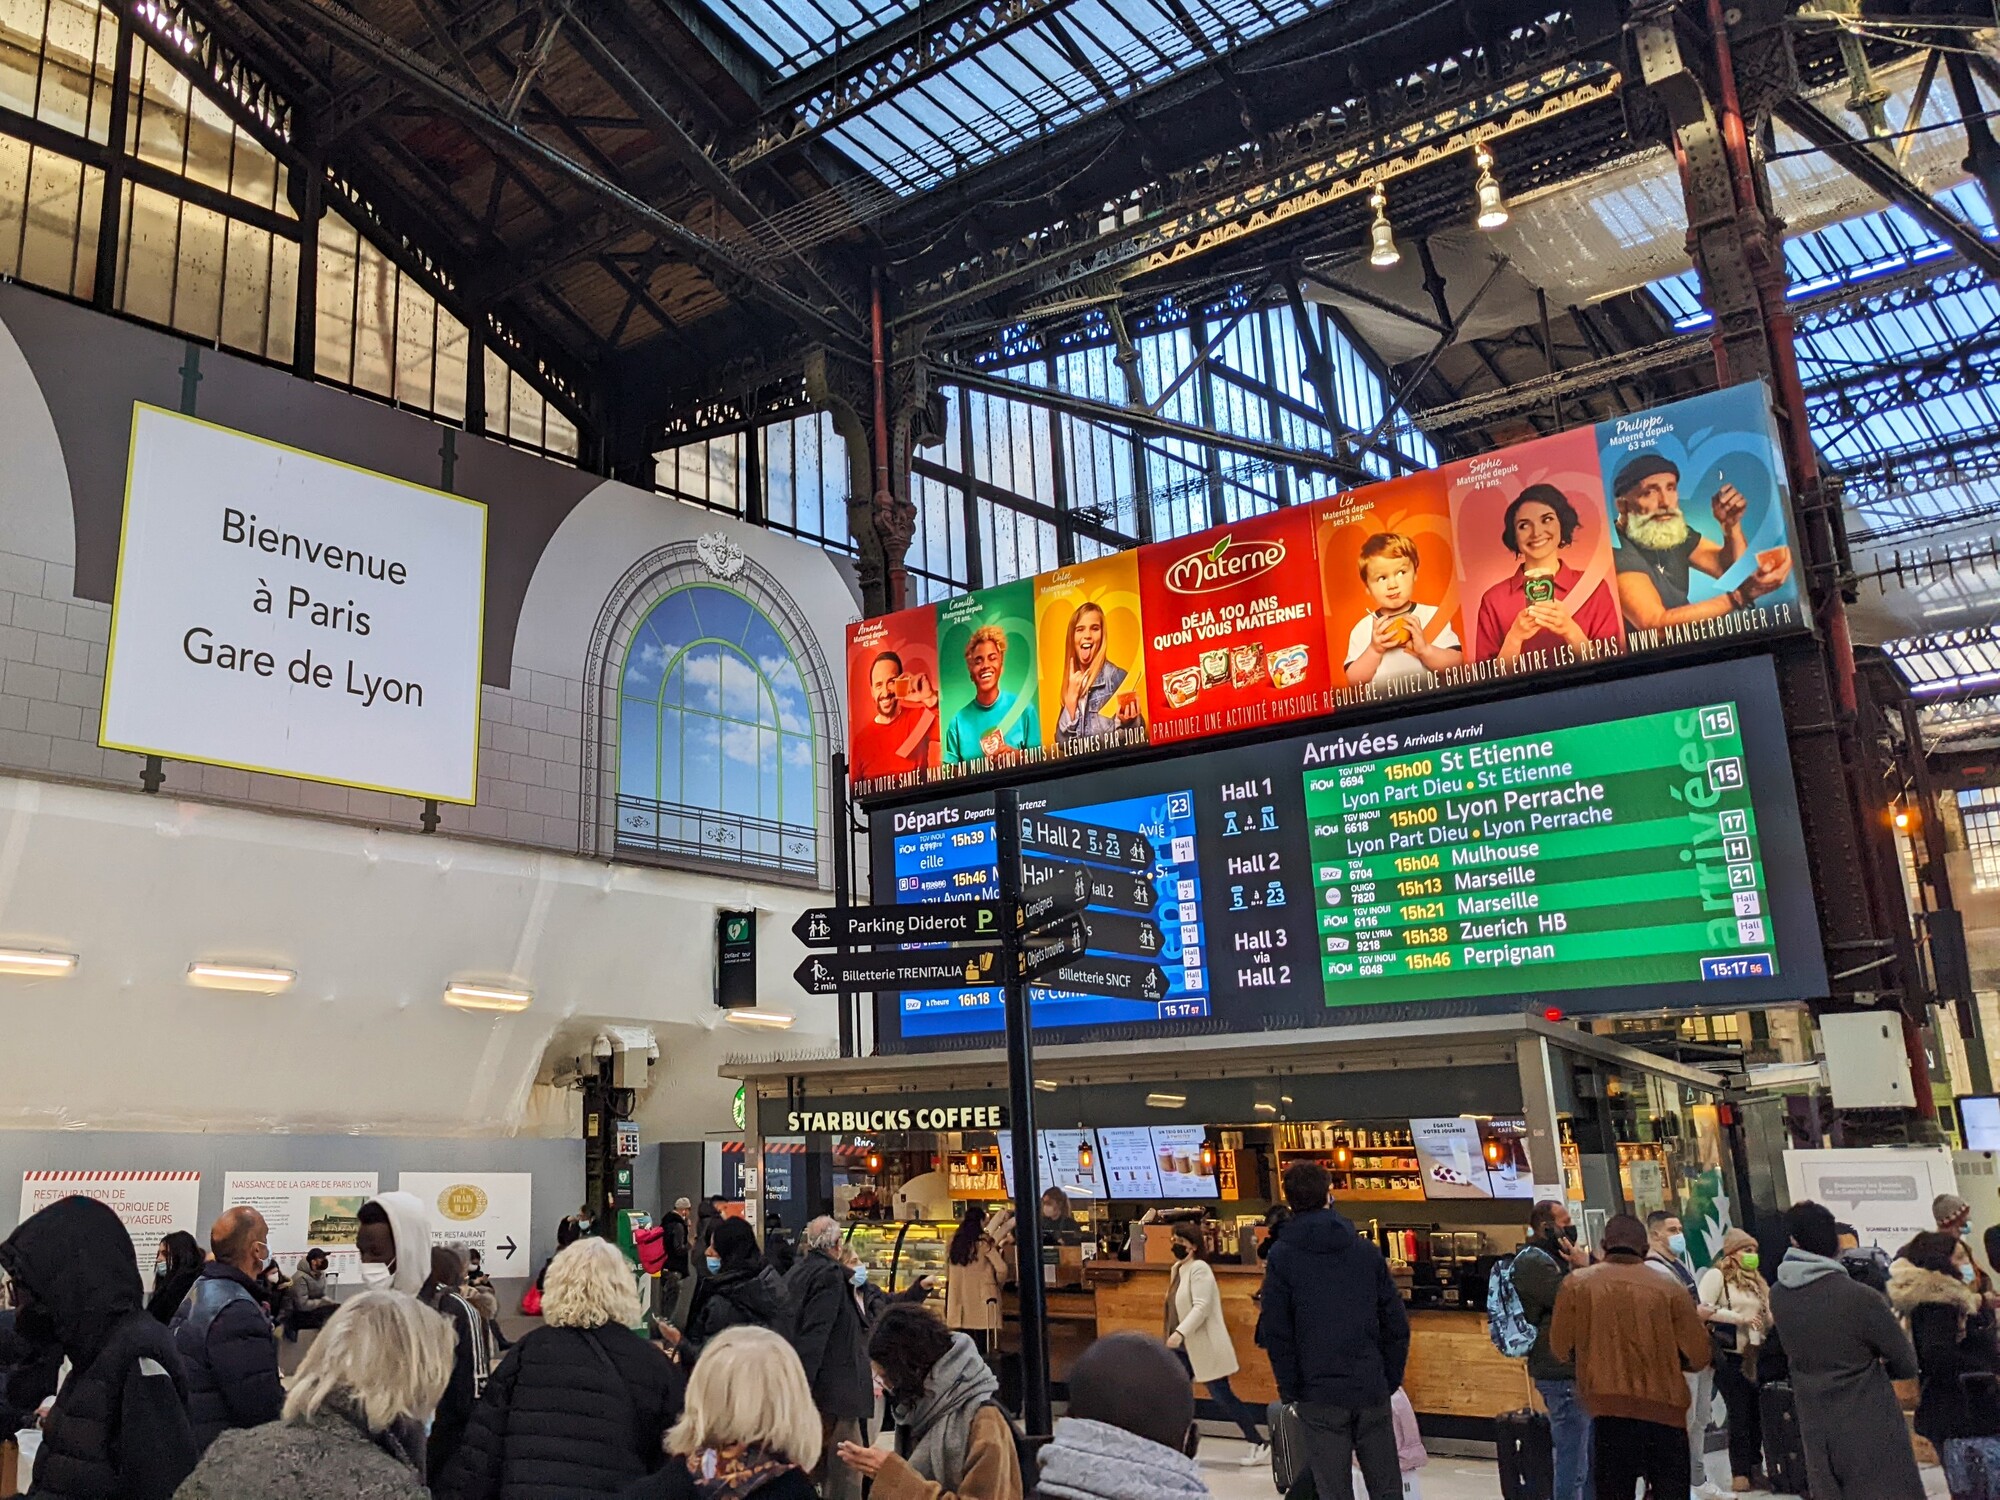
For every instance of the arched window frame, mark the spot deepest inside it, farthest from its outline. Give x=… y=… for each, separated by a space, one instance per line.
x=711 y=561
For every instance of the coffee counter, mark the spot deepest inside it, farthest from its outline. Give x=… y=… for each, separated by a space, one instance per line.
x=1456 y=1379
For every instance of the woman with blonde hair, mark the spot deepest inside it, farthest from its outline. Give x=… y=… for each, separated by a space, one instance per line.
x=578 y=1406
x=749 y=1427
x=353 y=1424
x=1740 y=1320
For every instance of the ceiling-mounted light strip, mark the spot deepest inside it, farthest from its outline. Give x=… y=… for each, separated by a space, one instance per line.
x=487 y=997
x=252 y=979
x=36 y=962
x=1166 y=1101
x=772 y=1020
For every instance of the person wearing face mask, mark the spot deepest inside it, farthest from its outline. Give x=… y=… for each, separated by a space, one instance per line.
x=394 y=1243
x=1739 y=1321
x=872 y=1299
x=737 y=1290
x=119 y=1427
x=1540 y=1267
x=1930 y=1286
x=1195 y=1330
x=1666 y=1252
x=224 y=1337
x=175 y=1268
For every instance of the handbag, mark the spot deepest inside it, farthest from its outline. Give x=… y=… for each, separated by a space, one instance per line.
x=1288 y=1447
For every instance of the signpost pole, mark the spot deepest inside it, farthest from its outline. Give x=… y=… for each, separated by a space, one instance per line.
x=1035 y=1415
x=842 y=894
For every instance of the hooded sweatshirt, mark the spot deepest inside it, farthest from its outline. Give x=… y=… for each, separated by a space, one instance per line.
x=1096 y=1461
x=412 y=1232
x=119 y=1428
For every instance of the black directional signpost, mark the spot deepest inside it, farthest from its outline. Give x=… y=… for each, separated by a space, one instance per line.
x=921 y=969
x=942 y=922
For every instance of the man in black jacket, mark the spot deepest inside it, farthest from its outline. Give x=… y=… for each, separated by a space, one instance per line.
x=472 y=1360
x=1338 y=1337
x=1539 y=1268
x=833 y=1347
x=223 y=1336
x=119 y=1429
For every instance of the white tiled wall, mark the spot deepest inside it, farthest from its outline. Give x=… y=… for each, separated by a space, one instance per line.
x=52 y=651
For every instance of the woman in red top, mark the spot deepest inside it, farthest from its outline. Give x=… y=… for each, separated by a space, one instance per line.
x=1539 y=525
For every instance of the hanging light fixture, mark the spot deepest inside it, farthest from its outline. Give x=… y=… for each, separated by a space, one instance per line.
x=1086 y=1158
x=1492 y=207
x=1382 y=251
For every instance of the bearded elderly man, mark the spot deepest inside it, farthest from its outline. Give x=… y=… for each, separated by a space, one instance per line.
x=1658 y=549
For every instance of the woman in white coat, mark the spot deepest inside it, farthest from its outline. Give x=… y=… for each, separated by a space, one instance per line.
x=1197 y=1331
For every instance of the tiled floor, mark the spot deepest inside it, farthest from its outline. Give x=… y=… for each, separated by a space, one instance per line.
x=1440 y=1479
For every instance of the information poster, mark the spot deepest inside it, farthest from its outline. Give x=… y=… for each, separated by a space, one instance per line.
x=1450 y=1157
x=988 y=683
x=1504 y=1142
x=1234 y=634
x=1645 y=532
x=151 y=1205
x=1183 y=1173
x=892 y=695
x=304 y=1210
x=1131 y=1169
x=277 y=611
x=491 y=1212
x=1885 y=1192
x=1389 y=574
x=1091 y=648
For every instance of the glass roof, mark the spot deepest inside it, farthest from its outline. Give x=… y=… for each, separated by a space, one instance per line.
x=1077 y=57
x=1857 y=360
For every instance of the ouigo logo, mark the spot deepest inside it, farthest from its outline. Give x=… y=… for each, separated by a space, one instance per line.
x=1223 y=566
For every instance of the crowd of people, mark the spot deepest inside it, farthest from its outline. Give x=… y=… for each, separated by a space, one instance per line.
x=771 y=1382
x=1631 y=1347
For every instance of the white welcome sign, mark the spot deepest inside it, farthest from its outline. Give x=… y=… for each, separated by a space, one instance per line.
x=277 y=611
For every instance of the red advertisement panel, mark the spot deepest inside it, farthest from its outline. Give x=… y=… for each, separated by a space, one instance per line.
x=1234 y=637
x=1389 y=579
x=1534 y=552
x=892 y=693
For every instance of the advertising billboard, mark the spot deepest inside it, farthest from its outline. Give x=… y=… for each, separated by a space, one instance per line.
x=1657 y=530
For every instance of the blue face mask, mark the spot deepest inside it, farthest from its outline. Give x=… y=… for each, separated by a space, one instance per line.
x=860 y=1276
x=714 y=1264
x=1678 y=1243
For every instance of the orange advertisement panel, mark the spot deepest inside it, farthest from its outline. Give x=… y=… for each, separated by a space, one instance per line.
x=1389 y=581
x=1534 y=556
x=1091 y=655
x=1234 y=637
x=892 y=695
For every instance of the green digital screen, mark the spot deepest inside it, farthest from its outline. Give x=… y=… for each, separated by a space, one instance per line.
x=1617 y=853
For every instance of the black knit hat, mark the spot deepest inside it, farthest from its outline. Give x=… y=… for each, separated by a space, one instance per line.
x=1640 y=469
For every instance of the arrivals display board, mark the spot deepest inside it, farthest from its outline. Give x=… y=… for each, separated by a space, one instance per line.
x=1631 y=844
x=1661 y=529
x=277 y=611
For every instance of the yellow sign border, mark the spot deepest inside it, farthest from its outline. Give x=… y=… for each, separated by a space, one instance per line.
x=118 y=589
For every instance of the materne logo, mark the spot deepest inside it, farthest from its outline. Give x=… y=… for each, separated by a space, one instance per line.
x=1222 y=566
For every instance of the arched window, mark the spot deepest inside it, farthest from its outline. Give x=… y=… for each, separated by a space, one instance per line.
x=716 y=752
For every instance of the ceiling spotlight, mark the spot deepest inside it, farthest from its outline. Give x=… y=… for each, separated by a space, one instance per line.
x=256 y=981
x=1045 y=1085
x=1166 y=1101
x=486 y=997
x=1382 y=251
x=36 y=961
x=775 y=1020
x=600 y=1046
x=1492 y=207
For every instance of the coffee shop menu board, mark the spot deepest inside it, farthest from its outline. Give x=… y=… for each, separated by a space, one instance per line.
x=1632 y=844
x=1060 y=1162
x=1663 y=529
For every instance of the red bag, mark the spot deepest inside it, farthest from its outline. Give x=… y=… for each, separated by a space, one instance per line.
x=531 y=1302
x=651 y=1243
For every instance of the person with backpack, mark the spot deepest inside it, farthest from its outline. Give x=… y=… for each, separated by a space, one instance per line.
x=953 y=1441
x=1535 y=1277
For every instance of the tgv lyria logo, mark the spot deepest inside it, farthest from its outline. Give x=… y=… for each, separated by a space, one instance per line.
x=1223 y=565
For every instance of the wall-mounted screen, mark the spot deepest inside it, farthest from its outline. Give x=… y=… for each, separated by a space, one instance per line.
x=1979 y=1121
x=1183 y=1172
x=1131 y=1169
x=1629 y=845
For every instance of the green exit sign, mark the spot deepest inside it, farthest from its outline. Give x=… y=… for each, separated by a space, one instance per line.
x=736 y=959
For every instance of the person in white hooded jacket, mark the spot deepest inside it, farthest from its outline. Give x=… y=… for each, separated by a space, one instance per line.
x=394 y=1243
x=1129 y=1428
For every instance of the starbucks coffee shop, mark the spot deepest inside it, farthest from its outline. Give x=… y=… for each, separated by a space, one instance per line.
x=1437 y=1137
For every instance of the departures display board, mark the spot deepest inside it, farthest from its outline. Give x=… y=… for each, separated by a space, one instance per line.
x=1629 y=845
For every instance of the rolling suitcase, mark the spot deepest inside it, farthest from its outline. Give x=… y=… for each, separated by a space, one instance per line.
x=1527 y=1454
x=1784 y=1447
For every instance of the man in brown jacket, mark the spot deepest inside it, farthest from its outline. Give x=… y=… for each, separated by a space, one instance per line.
x=1631 y=1332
